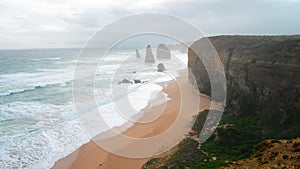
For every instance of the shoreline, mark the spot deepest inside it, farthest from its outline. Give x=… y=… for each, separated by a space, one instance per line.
x=90 y=155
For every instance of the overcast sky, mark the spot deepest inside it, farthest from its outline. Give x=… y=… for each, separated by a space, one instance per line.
x=70 y=23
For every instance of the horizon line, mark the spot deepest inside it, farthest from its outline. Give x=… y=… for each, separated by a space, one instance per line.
x=65 y=48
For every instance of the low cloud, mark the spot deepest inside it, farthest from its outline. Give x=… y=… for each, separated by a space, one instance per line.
x=66 y=23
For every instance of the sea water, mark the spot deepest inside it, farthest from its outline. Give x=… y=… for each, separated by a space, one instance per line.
x=38 y=121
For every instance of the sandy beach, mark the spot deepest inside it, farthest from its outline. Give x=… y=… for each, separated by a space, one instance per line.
x=92 y=156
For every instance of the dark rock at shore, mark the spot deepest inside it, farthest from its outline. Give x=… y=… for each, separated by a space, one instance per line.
x=138 y=56
x=163 y=52
x=137 y=81
x=125 y=81
x=149 y=55
x=161 y=67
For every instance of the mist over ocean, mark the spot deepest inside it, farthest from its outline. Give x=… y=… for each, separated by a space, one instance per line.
x=38 y=121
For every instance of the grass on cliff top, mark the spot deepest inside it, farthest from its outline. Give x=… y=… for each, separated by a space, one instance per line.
x=232 y=143
x=233 y=140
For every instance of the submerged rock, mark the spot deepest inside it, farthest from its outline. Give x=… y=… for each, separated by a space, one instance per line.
x=138 y=56
x=125 y=81
x=149 y=55
x=163 y=52
x=161 y=67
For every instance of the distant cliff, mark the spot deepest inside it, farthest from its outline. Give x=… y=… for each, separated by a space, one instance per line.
x=263 y=100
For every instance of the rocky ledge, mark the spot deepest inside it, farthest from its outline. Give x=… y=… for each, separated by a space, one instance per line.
x=273 y=154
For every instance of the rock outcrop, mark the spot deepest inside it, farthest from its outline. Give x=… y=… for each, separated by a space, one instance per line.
x=125 y=81
x=137 y=81
x=163 y=52
x=137 y=53
x=273 y=154
x=161 y=67
x=149 y=55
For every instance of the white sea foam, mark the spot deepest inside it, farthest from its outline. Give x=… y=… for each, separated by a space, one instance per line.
x=35 y=135
x=50 y=58
x=119 y=111
x=140 y=98
x=67 y=62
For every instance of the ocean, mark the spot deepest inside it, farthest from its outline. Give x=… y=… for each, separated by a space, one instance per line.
x=38 y=120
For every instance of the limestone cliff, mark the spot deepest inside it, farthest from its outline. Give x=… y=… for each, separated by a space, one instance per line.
x=137 y=53
x=163 y=52
x=264 y=71
x=149 y=55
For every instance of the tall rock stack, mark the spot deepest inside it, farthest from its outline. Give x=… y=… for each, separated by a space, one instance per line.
x=163 y=52
x=149 y=55
x=138 y=56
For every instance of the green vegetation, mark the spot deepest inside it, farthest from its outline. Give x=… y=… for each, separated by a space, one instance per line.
x=226 y=146
x=233 y=140
x=232 y=143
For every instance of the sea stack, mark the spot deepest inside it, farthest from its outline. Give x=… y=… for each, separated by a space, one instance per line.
x=149 y=55
x=138 y=56
x=161 y=67
x=163 y=52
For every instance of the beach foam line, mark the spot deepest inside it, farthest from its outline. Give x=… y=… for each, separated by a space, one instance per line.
x=118 y=112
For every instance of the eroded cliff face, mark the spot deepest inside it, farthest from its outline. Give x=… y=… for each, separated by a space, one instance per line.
x=262 y=71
